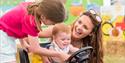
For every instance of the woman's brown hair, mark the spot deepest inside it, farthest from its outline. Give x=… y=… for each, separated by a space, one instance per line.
x=50 y=9
x=95 y=40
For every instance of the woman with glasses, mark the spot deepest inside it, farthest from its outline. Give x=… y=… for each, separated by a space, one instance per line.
x=86 y=31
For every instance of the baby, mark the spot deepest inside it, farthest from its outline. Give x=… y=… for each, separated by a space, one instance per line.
x=61 y=39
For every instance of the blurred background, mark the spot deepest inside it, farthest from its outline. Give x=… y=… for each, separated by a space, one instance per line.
x=113 y=26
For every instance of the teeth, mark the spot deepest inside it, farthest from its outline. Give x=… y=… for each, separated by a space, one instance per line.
x=78 y=32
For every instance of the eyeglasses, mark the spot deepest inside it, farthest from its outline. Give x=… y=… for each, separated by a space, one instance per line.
x=97 y=17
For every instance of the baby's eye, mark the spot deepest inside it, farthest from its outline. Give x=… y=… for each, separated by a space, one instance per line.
x=68 y=39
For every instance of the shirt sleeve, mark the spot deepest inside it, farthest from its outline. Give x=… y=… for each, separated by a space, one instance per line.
x=29 y=26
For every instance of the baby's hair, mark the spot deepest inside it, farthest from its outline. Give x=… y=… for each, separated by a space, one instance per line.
x=61 y=27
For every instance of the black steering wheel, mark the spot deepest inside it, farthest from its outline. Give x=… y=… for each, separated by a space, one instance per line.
x=80 y=56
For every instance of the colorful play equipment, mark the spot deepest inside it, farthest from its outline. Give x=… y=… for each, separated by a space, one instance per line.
x=76 y=7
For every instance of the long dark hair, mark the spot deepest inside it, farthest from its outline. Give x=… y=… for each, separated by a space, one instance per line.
x=95 y=40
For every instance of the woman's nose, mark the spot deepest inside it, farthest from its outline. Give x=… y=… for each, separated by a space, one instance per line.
x=79 y=29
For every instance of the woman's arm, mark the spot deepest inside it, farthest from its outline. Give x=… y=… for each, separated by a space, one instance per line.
x=35 y=48
x=46 y=33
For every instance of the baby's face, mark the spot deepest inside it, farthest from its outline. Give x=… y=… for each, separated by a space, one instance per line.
x=62 y=39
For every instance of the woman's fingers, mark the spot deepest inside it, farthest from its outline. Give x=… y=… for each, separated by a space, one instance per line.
x=33 y=44
x=24 y=44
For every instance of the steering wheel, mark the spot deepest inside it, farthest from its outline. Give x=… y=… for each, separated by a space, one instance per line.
x=80 y=56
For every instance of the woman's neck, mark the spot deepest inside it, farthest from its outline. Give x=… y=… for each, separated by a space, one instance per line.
x=77 y=43
x=74 y=39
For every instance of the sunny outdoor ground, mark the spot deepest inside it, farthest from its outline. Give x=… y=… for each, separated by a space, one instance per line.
x=114 y=52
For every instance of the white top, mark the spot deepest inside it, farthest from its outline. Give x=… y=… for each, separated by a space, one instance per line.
x=55 y=47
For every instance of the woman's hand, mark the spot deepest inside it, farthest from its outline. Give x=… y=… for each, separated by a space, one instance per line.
x=24 y=44
x=33 y=44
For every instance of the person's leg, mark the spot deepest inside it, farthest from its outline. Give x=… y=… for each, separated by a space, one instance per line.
x=7 y=48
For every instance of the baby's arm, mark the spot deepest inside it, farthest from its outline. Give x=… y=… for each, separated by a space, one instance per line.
x=47 y=33
x=73 y=49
